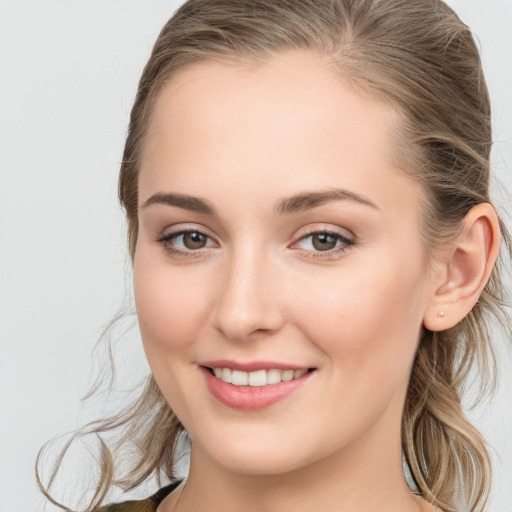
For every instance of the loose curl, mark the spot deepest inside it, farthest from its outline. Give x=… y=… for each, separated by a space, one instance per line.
x=419 y=57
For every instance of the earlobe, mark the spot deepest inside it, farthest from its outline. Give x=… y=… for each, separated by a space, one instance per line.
x=464 y=269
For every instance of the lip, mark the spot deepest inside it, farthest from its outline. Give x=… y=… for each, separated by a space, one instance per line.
x=249 y=397
x=252 y=366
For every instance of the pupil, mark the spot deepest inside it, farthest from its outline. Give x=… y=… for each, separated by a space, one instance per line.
x=324 y=241
x=194 y=240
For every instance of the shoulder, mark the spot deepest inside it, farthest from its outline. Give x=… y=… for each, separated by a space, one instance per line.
x=148 y=505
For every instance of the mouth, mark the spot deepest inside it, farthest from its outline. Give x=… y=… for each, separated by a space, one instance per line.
x=257 y=378
x=252 y=386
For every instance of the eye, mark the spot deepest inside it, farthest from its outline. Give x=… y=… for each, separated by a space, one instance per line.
x=192 y=239
x=324 y=243
x=185 y=242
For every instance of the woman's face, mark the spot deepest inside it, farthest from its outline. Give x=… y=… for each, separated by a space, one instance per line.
x=278 y=239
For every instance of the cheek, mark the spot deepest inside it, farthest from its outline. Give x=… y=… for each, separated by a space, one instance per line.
x=170 y=305
x=368 y=318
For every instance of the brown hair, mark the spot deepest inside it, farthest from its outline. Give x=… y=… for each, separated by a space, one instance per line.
x=418 y=56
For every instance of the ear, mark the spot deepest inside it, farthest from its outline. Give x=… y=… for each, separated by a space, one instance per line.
x=463 y=270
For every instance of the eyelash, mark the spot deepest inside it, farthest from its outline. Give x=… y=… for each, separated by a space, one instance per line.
x=191 y=253
x=345 y=243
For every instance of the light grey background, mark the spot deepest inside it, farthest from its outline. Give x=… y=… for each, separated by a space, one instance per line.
x=68 y=72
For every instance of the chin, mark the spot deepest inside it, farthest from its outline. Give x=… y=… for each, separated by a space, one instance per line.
x=264 y=455
x=260 y=463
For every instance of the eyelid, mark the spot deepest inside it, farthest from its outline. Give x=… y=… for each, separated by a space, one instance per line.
x=165 y=241
x=336 y=251
x=323 y=228
x=347 y=241
x=180 y=229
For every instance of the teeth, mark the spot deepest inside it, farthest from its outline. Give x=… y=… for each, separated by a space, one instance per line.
x=273 y=376
x=299 y=373
x=227 y=375
x=257 y=378
x=239 y=378
x=287 y=375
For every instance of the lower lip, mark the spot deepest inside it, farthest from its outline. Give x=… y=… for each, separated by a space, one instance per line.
x=251 y=397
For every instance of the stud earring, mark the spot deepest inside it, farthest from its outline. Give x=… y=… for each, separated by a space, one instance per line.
x=441 y=314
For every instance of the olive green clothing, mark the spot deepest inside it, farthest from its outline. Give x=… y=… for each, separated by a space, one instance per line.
x=148 y=505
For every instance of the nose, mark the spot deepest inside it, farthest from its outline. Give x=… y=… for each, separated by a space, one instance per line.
x=249 y=300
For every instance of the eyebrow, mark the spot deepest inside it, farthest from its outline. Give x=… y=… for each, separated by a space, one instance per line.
x=194 y=204
x=308 y=200
x=294 y=204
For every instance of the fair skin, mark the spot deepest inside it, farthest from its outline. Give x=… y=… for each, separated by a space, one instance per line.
x=266 y=288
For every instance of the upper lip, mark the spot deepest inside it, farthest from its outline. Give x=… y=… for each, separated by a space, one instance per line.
x=251 y=366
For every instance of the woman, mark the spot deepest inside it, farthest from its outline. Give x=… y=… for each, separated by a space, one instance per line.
x=314 y=251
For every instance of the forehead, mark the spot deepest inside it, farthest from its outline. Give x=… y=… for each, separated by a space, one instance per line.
x=287 y=121
x=288 y=89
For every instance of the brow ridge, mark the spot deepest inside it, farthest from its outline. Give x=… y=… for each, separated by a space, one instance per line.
x=294 y=204
x=194 y=204
x=308 y=200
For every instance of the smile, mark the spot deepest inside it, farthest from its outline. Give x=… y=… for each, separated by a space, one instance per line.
x=257 y=378
x=253 y=387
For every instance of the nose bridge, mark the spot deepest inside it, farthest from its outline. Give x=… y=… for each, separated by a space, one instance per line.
x=246 y=301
